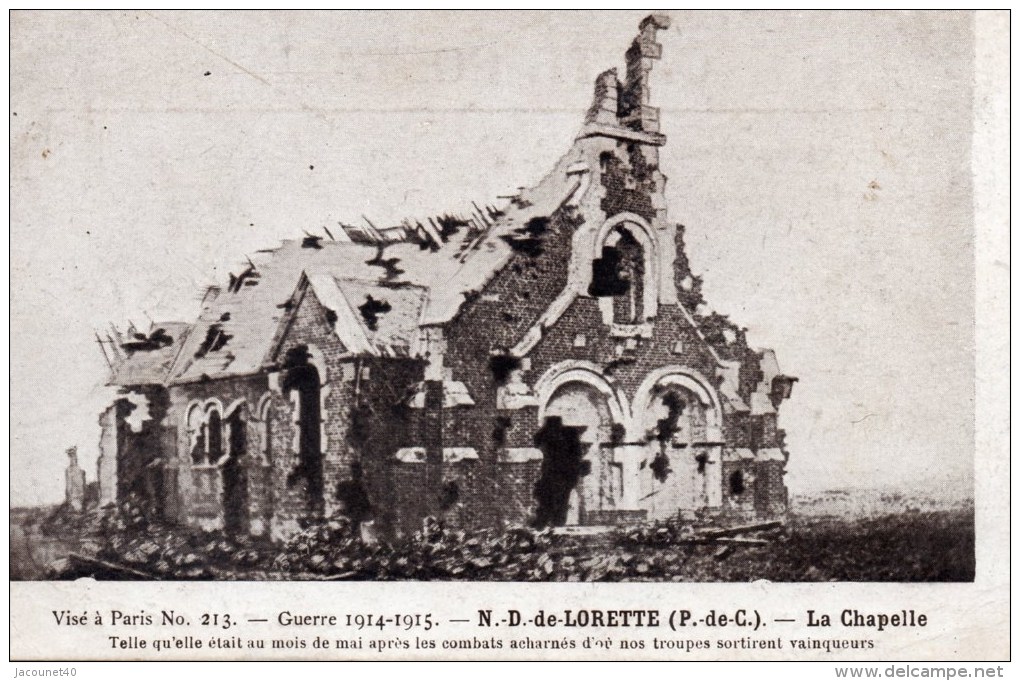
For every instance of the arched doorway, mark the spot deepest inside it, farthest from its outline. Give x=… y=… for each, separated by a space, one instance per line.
x=578 y=476
x=680 y=422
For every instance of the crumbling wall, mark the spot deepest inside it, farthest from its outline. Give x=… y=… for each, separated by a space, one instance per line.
x=106 y=464
x=506 y=488
x=365 y=420
x=739 y=479
x=199 y=485
x=301 y=496
x=144 y=444
x=631 y=177
x=507 y=307
x=74 y=483
x=630 y=180
x=771 y=497
x=382 y=423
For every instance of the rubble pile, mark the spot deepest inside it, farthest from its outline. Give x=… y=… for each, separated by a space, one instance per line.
x=333 y=551
x=122 y=544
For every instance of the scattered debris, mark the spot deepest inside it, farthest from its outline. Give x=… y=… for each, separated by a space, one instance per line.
x=742 y=540
x=742 y=529
x=76 y=561
x=122 y=543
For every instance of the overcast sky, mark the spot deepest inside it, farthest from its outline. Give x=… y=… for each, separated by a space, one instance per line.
x=819 y=161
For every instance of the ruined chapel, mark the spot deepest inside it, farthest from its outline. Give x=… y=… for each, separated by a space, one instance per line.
x=547 y=362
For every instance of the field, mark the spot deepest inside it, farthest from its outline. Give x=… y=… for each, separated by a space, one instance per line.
x=834 y=536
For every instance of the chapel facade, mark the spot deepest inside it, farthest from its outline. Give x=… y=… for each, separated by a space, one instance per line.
x=548 y=362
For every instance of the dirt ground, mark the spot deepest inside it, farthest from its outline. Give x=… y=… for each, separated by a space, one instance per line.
x=32 y=550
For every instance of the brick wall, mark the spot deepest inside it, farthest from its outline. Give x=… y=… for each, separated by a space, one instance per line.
x=295 y=501
x=386 y=424
x=770 y=495
x=200 y=486
x=630 y=181
x=140 y=453
x=494 y=493
x=509 y=305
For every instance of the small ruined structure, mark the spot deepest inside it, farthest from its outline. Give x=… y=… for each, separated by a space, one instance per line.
x=74 y=479
x=549 y=362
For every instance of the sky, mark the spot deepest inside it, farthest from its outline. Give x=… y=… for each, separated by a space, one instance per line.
x=819 y=161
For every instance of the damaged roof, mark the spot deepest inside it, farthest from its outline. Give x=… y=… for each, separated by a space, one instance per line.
x=379 y=286
x=236 y=329
x=146 y=358
x=372 y=318
x=491 y=251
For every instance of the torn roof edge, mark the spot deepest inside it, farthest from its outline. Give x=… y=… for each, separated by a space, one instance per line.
x=347 y=327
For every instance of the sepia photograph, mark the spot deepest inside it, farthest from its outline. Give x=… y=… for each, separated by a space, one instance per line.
x=517 y=296
x=530 y=385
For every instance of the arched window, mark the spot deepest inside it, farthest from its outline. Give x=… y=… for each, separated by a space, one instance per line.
x=304 y=384
x=196 y=435
x=737 y=482
x=213 y=435
x=237 y=432
x=268 y=428
x=620 y=274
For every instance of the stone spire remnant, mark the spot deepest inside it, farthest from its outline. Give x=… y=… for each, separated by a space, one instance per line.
x=635 y=112
x=74 y=495
x=627 y=105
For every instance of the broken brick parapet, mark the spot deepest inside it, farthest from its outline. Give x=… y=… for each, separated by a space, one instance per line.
x=635 y=96
x=142 y=435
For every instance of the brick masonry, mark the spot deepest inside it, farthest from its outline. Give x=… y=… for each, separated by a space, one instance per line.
x=388 y=457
